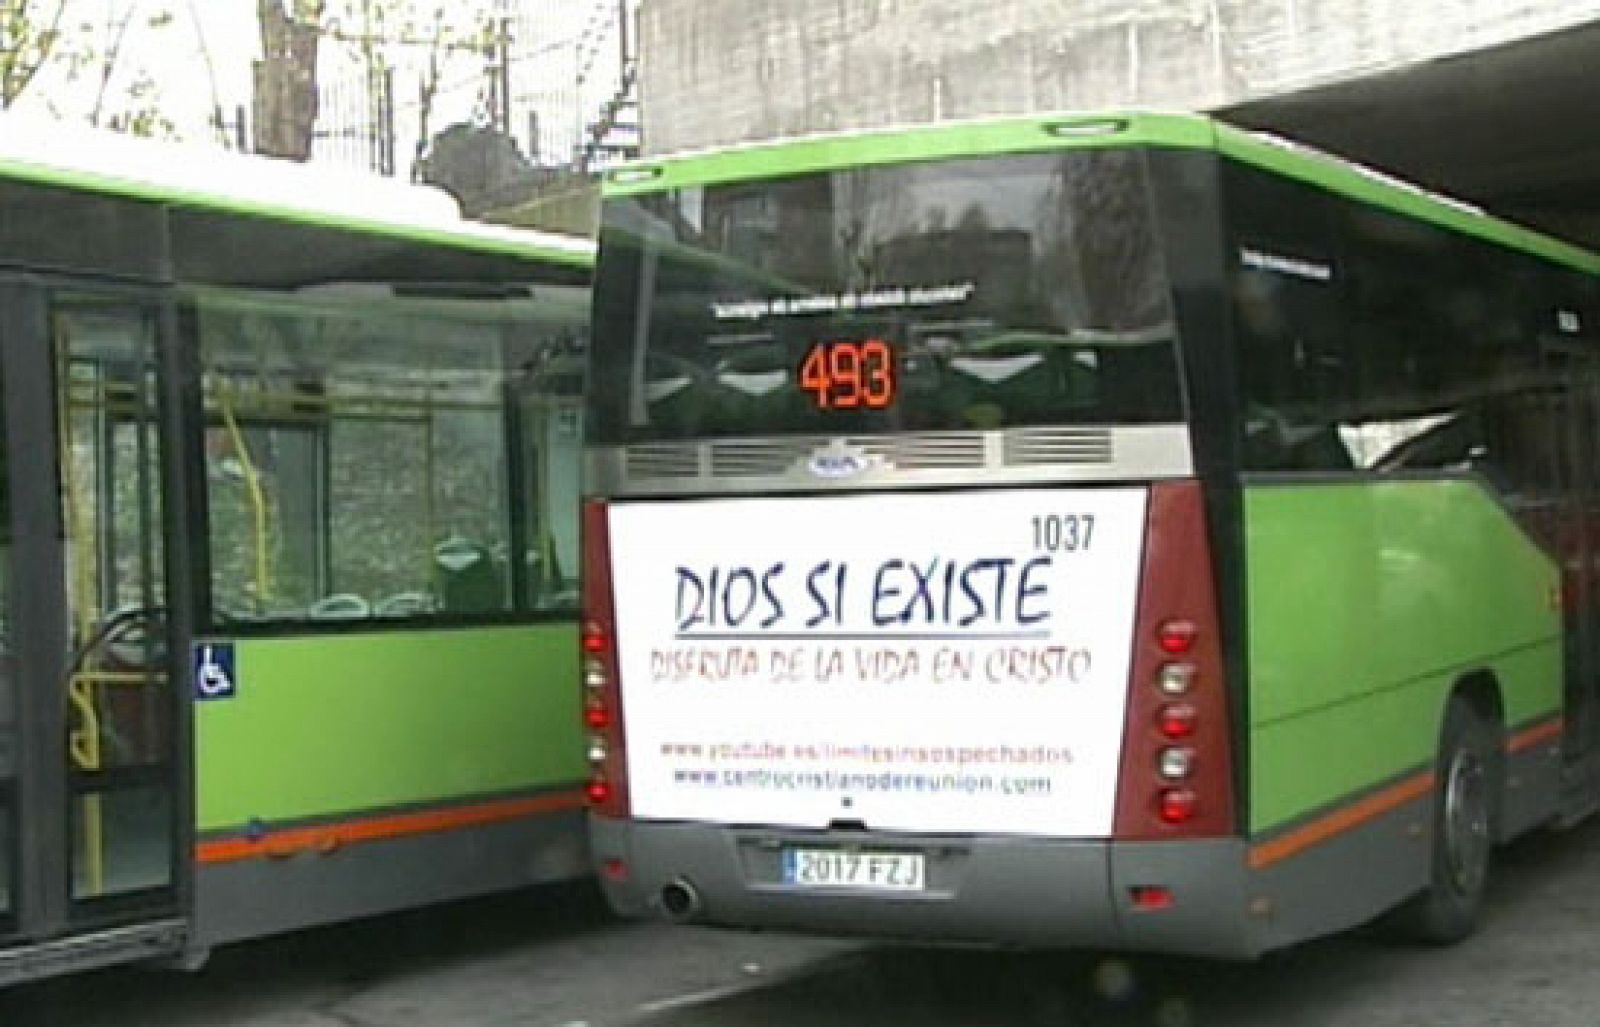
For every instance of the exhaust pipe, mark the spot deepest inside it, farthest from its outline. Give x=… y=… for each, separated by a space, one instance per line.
x=680 y=901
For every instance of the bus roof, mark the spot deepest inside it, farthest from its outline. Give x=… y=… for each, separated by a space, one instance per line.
x=50 y=152
x=1044 y=132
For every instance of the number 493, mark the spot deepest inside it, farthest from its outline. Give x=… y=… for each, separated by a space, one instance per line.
x=850 y=375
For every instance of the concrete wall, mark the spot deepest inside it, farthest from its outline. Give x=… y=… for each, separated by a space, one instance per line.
x=721 y=71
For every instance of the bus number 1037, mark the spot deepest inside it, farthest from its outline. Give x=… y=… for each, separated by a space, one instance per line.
x=1063 y=533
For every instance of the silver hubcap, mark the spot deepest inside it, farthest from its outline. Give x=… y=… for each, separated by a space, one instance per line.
x=1466 y=822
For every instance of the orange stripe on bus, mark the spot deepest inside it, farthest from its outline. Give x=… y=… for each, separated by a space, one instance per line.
x=329 y=837
x=1340 y=820
x=1529 y=737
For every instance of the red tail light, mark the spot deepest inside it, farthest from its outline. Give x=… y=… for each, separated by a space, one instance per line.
x=1176 y=637
x=1185 y=701
x=1178 y=806
x=1152 y=897
x=1178 y=720
x=602 y=694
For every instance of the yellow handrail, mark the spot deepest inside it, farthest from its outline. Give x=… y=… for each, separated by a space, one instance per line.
x=258 y=498
x=84 y=741
x=118 y=678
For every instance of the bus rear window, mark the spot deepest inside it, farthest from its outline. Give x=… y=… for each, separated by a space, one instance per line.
x=970 y=294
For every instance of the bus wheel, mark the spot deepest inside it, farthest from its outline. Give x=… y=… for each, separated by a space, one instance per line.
x=1464 y=802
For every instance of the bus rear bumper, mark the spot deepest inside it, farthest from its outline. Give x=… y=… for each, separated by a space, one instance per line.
x=1032 y=892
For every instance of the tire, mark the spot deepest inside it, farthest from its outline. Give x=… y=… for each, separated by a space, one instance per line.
x=1465 y=800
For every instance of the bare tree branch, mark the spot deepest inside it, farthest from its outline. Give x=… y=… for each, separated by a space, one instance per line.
x=117 y=32
x=217 y=118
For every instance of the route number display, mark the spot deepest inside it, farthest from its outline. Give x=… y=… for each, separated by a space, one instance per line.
x=850 y=375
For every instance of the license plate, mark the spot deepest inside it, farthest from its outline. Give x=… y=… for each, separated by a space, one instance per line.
x=838 y=868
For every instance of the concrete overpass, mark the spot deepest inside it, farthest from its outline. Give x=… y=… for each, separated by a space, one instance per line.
x=1490 y=100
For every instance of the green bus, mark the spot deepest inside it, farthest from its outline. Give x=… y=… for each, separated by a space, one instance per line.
x=1116 y=530
x=290 y=509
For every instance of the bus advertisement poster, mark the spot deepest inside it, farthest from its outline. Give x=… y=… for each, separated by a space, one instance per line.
x=930 y=662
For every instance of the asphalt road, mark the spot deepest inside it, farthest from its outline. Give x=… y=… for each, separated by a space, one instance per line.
x=553 y=958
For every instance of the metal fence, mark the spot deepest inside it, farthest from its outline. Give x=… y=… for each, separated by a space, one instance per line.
x=557 y=76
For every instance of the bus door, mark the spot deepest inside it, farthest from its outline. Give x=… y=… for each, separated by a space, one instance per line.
x=1550 y=437
x=1582 y=448
x=87 y=700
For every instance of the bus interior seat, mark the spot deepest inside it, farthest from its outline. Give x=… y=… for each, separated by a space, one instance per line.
x=340 y=606
x=469 y=581
x=405 y=604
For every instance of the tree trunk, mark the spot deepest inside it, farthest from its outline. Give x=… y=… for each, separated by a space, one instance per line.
x=285 y=109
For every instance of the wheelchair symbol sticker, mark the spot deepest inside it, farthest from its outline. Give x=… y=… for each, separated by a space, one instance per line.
x=214 y=676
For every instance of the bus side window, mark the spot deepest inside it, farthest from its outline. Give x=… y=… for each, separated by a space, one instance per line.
x=1437 y=364
x=349 y=438
x=1525 y=444
x=548 y=395
x=1285 y=283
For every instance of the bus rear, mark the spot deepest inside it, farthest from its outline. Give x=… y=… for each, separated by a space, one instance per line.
x=900 y=610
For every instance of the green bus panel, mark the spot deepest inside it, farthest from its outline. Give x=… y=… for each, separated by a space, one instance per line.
x=1044 y=132
x=529 y=247
x=942 y=141
x=1366 y=186
x=1366 y=602
x=334 y=724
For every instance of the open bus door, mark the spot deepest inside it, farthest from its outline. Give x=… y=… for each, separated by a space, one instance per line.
x=1558 y=428
x=1582 y=592
x=88 y=709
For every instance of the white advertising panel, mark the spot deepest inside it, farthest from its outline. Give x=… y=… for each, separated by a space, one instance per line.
x=951 y=662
